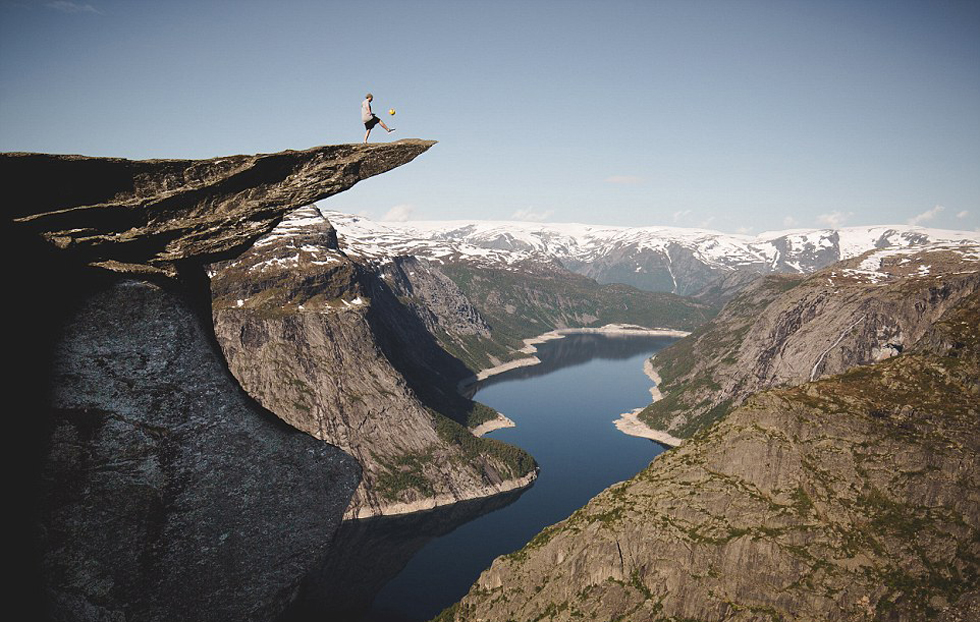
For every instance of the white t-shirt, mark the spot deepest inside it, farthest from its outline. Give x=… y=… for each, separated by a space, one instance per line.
x=366 y=110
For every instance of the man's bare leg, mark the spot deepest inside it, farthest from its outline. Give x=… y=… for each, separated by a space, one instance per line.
x=366 y=134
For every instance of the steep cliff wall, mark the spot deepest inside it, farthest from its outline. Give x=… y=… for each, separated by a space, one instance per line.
x=786 y=330
x=856 y=497
x=167 y=493
x=158 y=489
x=327 y=345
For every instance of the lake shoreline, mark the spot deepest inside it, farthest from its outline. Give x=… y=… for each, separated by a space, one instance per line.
x=629 y=423
x=530 y=346
x=431 y=503
x=498 y=423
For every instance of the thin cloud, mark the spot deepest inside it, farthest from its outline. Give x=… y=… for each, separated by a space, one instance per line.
x=531 y=215
x=624 y=179
x=789 y=221
x=925 y=216
x=399 y=213
x=72 y=7
x=834 y=219
x=704 y=224
x=963 y=214
x=743 y=230
x=681 y=214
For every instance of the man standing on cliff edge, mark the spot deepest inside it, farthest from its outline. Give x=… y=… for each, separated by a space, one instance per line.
x=370 y=119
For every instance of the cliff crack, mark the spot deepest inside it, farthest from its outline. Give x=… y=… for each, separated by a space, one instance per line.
x=813 y=372
x=622 y=563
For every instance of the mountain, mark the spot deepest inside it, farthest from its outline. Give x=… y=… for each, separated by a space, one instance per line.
x=156 y=487
x=327 y=345
x=851 y=497
x=660 y=259
x=784 y=330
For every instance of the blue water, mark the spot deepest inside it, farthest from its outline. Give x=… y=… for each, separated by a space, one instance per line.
x=409 y=568
x=565 y=420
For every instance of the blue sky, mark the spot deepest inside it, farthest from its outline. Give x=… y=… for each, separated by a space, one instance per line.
x=731 y=115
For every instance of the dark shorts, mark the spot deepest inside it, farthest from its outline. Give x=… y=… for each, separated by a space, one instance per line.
x=374 y=120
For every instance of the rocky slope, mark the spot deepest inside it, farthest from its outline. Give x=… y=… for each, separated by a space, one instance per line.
x=662 y=259
x=157 y=489
x=330 y=347
x=784 y=330
x=855 y=497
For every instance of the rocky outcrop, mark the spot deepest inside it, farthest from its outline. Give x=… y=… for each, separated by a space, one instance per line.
x=856 y=497
x=152 y=215
x=784 y=330
x=161 y=490
x=331 y=348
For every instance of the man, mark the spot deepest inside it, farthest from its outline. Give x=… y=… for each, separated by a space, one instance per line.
x=370 y=119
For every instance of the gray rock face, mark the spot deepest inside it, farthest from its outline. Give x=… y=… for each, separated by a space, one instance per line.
x=434 y=298
x=167 y=492
x=674 y=268
x=855 y=497
x=329 y=347
x=787 y=330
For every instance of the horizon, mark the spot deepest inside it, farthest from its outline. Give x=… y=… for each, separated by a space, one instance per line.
x=733 y=117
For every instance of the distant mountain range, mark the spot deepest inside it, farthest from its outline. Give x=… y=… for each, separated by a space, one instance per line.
x=660 y=259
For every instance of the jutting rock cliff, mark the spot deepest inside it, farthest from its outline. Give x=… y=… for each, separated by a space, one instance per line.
x=158 y=489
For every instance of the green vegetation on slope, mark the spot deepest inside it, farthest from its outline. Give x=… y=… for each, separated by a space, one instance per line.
x=527 y=302
x=513 y=461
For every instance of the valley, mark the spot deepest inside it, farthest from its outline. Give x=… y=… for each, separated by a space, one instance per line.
x=852 y=497
x=237 y=375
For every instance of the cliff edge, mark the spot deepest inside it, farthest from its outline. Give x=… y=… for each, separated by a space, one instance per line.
x=156 y=488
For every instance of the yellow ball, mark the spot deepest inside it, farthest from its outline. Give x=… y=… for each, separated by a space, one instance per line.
x=391 y=111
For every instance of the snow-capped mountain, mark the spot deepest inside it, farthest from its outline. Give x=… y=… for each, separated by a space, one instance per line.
x=671 y=259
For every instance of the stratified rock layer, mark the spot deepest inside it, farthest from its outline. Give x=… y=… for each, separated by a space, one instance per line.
x=852 y=498
x=152 y=214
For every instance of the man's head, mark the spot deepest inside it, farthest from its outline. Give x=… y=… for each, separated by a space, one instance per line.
x=369 y=97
